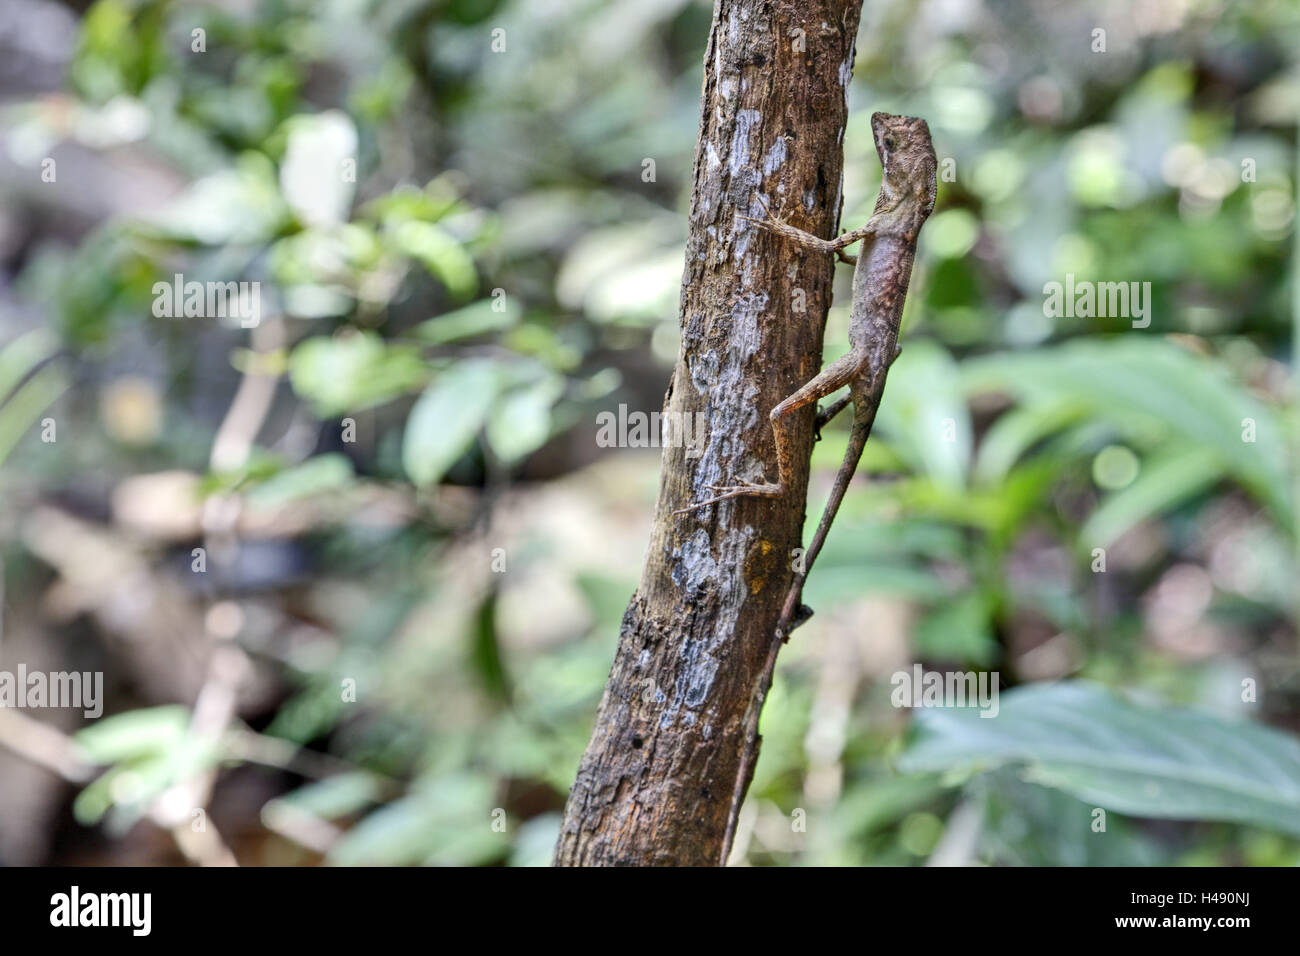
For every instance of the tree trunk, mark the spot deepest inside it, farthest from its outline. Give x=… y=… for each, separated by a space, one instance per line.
x=675 y=740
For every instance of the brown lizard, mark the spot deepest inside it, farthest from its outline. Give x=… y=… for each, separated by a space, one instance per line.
x=881 y=274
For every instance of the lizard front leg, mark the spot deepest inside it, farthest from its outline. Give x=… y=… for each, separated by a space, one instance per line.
x=831 y=379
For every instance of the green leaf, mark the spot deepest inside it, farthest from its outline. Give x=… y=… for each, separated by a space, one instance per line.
x=959 y=630
x=445 y=821
x=353 y=372
x=447 y=418
x=24 y=407
x=229 y=207
x=1165 y=480
x=876 y=804
x=521 y=422
x=150 y=750
x=331 y=798
x=136 y=733
x=1138 y=759
x=1028 y=825
x=924 y=413
x=314 y=476
x=19 y=357
x=444 y=257
x=477 y=318
x=1016 y=431
x=837 y=584
x=485 y=651
x=1156 y=388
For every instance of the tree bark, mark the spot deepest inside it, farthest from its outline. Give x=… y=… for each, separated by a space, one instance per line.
x=675 y=739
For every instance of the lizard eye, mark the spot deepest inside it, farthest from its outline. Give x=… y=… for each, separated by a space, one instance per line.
x=891 y=142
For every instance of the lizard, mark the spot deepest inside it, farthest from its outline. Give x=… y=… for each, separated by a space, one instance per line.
x=882 y=271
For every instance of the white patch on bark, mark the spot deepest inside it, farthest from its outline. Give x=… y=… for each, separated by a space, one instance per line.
x=775 y=157
x=743 y=231
x=694 y=565
x=741 y=246
x=695 y=569
x=711 y=156
x=738 y=161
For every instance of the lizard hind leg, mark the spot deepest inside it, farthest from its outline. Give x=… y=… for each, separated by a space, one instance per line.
x=831 y=379
x=834 y=246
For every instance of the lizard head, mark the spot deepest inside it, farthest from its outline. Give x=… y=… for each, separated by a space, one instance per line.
x=907 y=159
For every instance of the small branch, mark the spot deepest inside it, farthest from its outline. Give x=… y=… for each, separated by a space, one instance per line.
x=44 y=746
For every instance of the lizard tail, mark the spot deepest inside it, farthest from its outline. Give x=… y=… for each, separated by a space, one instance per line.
x=864 y=416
